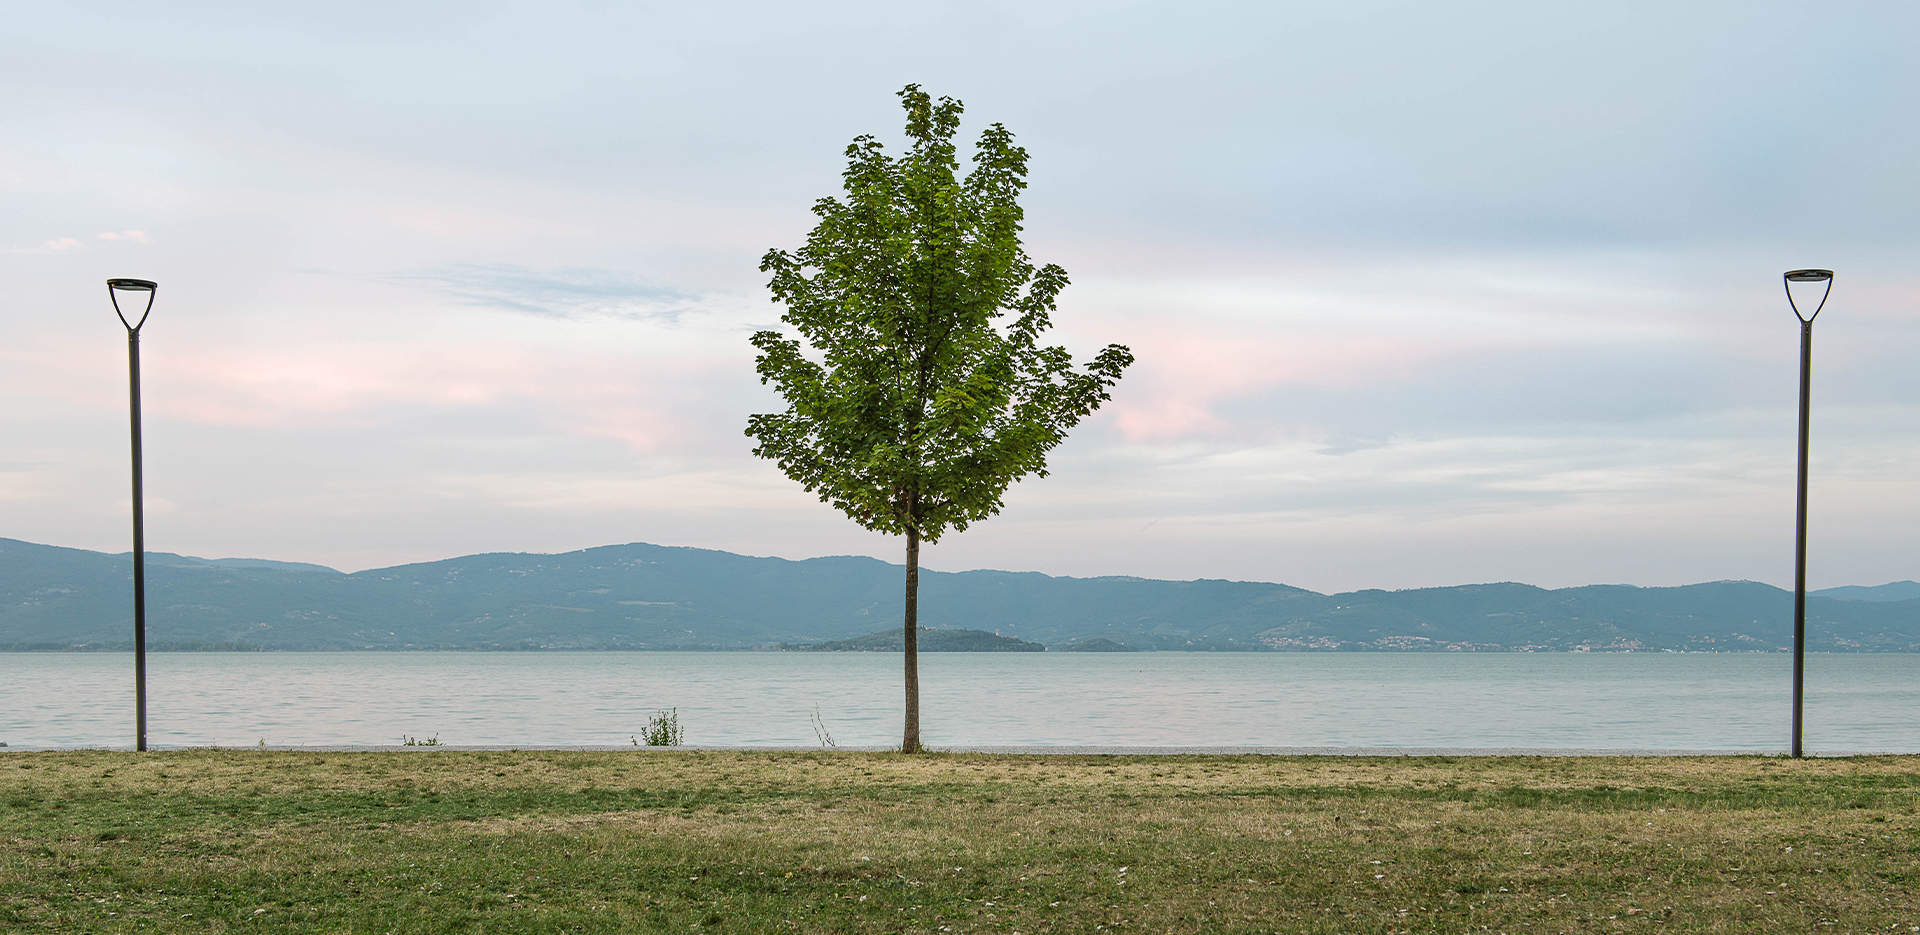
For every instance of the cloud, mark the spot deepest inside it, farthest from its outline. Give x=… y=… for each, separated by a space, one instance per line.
x=568 y=293
x=1403 y=315
x=55 y=245
x=68 y=244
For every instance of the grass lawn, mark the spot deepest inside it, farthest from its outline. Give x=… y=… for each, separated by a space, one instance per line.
x=678 y=840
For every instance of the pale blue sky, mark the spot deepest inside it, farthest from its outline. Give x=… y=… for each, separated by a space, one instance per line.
x=1420 y=295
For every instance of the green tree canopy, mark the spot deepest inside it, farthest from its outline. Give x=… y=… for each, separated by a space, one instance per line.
x=930 y=392
x=917 y=387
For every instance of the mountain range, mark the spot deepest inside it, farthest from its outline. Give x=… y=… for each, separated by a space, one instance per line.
x=641 y=596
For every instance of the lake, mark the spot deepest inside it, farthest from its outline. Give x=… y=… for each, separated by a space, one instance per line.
x=1348 y=701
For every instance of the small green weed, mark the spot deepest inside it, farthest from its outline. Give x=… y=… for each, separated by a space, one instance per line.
x=664 y=730
x=820 y=728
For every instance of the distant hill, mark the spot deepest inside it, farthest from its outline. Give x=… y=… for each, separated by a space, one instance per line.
x=641 y=596
x=1098 y=644
x=1897 y=591
x=253 y=563
x=930 y=641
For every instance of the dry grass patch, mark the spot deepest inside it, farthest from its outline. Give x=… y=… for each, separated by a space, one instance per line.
x=450 y=841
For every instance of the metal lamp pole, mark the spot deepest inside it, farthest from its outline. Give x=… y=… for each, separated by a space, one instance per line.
x=134 y=287
x=1800 y=505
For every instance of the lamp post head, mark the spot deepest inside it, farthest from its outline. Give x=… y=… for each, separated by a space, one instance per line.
x=1807 y=275
x=135 y=286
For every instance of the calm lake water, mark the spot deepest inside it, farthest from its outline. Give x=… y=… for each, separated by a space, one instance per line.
x=1855 y=703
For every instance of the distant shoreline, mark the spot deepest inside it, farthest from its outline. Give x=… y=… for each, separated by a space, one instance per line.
x=646 y=598
x=31 y=648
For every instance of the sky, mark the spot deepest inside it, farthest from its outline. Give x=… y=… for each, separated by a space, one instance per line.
x=1420 y=294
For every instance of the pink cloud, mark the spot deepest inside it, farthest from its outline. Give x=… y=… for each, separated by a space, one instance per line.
x=602 y=396
x=644 y=402
x=1187 y=369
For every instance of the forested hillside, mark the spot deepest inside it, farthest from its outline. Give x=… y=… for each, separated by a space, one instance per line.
x=641 y=596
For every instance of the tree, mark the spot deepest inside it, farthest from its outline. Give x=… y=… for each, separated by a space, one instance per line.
x=925 y=391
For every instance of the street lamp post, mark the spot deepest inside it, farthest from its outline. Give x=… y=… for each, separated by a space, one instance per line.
x=1800 y=505
x=134 y=287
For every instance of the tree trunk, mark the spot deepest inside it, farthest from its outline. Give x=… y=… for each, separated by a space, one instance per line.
x=911 y=742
